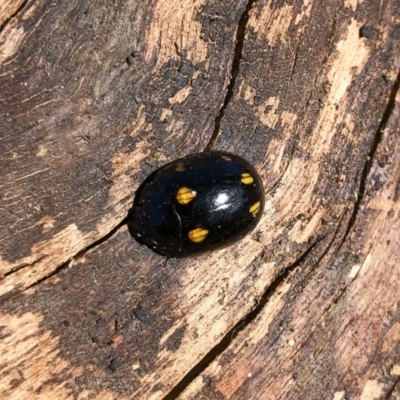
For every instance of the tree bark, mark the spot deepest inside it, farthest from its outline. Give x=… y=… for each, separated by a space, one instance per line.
x=97 y=95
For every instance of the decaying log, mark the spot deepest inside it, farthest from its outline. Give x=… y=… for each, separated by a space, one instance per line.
x=95 y=96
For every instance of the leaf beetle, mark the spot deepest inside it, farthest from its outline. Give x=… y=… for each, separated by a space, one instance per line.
x=198 y=203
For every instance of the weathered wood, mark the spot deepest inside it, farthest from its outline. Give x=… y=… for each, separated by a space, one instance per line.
x=330 y=329
x=95 y=97
x=90 y=99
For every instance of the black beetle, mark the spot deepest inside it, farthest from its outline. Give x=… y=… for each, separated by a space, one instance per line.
x=198 y=203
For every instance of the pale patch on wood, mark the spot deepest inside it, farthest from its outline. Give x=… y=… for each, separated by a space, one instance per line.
x=269 y=118
x=14 y=35
x=352 y=4
x=122 y=185
x=305 y=11
x=349 y=60
x=136 y=366
x=156 y=395
x=291 y=342
x=288 y=119
x=42 y=151
x=304 y=230
x=355 y=269
x=382 y=204
x=391 y=73
x=365 y=265
x=269 y=207
x=247 y=92
x=395 y=371
x=10 y=41
x=175 y=129
x=181 y=95
x=291 y=187
x=31 y=359
x=48 y=223
x=372 y=390
x=173 y=24
x=339 y=395
x=272 y=25
x=168 y=333
x=166 y=112
x=352 y=56
x=45 y=257
x=276 y=152
x=392 y=339
x=274 y=307
x=103 y=395
x=8 y=8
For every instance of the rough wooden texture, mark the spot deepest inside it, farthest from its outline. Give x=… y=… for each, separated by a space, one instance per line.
x=95 y=96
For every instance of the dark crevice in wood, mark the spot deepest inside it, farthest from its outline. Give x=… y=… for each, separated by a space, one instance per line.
x=295 y=59
x=371 y=153
x=78 y=255
x=251 y=316
x=389 y=393
x=60 y=268
x=341 y=290
x=237 y=57
x=6 y=21
x=239 y=326
x=101 y=240
x=22 y=266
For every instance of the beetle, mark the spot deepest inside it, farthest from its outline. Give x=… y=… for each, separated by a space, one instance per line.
x=198 y=203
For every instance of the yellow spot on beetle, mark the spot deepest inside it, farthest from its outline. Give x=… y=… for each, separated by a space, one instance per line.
x=185 y=195
x=255 y=208
x=197 y=235
x=180 y=168
x=246 y=178
x=226 y=158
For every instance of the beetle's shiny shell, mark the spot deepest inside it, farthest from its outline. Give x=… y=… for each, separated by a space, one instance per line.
x=198 y=203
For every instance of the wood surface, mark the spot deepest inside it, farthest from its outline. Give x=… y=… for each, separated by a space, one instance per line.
x=94 y=96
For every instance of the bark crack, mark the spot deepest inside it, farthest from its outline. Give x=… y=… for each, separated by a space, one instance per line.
x=371 y=154
x=240 y=325
x=64 y=265
x=388 y=395
x=12 y=15
x=237 y=57
x=295 y=60
x=225 y=342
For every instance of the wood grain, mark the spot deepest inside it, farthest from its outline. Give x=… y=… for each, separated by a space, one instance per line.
x=98 y=94
x=330 y=329
x=95 y=96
